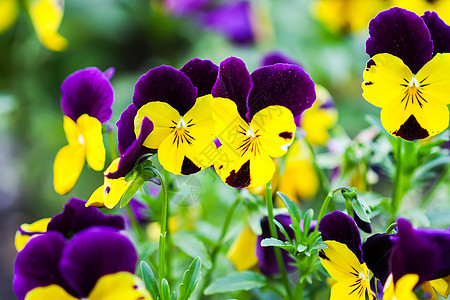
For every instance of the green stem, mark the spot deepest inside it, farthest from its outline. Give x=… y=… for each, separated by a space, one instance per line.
x=326 y=203
x=219 y=243
x=135 y=224
x=162 y=237
x=112 y=148
x=398 y=181
x=273 y=233
x=390 y=228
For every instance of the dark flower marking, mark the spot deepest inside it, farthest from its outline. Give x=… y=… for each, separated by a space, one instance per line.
x=411 y=130
x=189 y=167
x=241 y=178
x=286 y=135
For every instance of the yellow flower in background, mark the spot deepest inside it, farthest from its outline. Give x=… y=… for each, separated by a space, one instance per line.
x=27 y=231
x=8 y=14
x=243 y=251
x=441 y=7
x=319 y=118
x=402 y=290
x=347 y=15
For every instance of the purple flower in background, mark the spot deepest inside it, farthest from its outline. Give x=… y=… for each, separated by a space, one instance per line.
x=267 y=262
x=277 y=57
x=233 y=19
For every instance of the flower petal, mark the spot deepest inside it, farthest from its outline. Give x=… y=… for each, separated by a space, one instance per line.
x=275 y=57
x=67 y=167
x=91 y=131
x=339 y=227
x=27 y=231
x=440 y=32
x=119 y=286
x=87 y=91
x=49 y=292
x=164 y=117
x=75 y=217
x=384 y=79
x=240 y=30
x=434 y=78
x=168 y=85
x=129 y=158
x=348 y=290
x=281 y=84
x=376 y=252
x=402 y=34
x=125 y=128
x=275 y=128
x=339 y=261
x=242 y=252
x=235 y=83
x=37 y=264
x=93 y=253
x=203 y=74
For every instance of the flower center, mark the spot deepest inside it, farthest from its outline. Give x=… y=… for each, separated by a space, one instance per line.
x=181 y=123
x=414 y=82
x=250 y=132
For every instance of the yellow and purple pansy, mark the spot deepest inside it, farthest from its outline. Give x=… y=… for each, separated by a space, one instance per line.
x=254 y=118
x=408 y=75
x=343 y=259
x=178 y=104
x=82 y=255
x=410 y=259
x=87 y=96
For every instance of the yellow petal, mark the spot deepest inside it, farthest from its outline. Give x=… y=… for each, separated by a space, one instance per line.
x=72 y=132
x=40 y=226
x=442 y=286
x=243 y=251
x=348 y=290
x=46 y=16
x=119 y=286
x=91 y=131
x=164 y=118
x=403 y=289
x=8 y=14
x=49 y=292
x=384 y=79
x=67 y=167
x=434 y=78
x=427 y=288
x=340 y=262
x=183 y=151
x=97 y=198
x=274 y=126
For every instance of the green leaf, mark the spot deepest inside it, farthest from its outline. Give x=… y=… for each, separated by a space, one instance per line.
x=149 y=280
x=243 y=281
x=192 y=246
x=292 y=207
x=301 y=248
x=190 y=280
x=165 y=290
x=309 y=214
x=360 y=210
x=131 y=190
x=272 y=242
x=283 y=230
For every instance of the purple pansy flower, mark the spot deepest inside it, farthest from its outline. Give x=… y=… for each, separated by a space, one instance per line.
x=254 y=116
x=87 y=96
x=408 y=73
x=267 y=262
x=277 y=57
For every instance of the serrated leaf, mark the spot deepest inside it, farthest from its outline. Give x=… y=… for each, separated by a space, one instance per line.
x=292 y=207
x=192 y=246
x=165 y=290
x=243 y=281
x=191 y=279
x=131 y=190
x=149 y=280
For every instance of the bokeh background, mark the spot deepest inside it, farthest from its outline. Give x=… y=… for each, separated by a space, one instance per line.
x=133 y=36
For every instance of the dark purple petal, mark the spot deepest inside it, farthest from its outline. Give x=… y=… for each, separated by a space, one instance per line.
x=203 y=74
x=165 y=84
x=441 y=240
x=339 y=227
x=93 y=253
x=235 y=83
x=87 y=91
x=267 y=262
x=140 y=211
x=376 y=252
x=440 y=32
x=76 y=217
x=364 y=226
x=125 y=128
x=129 y=158
x=239 y=30
x=37 y=264
x=401 y=33
x=277 y=58
x=413 y=254
x=281 y=84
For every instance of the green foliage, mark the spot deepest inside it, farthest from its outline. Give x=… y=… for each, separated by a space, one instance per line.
x=191 y=279
x=149 y=280
x=233 y=282
x=192 y=246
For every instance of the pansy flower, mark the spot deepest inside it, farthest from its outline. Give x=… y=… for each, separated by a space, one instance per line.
x=343 y=258
x=247 y=252
x=87 y=96
x=178 y=104
x=46 y=16
x=408 y=73
x=441 y=7
x=255 y=118
x=97 y=263
x=74 y=218
x=412 y=258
